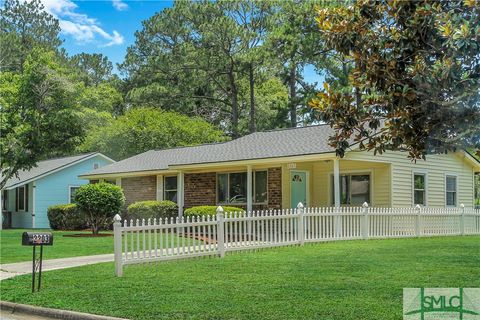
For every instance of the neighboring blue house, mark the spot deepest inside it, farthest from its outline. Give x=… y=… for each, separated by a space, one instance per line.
x=26 y=198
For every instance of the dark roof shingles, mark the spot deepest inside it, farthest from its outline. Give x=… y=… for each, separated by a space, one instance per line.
x=259 y=145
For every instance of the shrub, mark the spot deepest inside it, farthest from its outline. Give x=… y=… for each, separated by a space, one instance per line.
x=152 y=209
x=99 y=202
x=208 y=210
x=66 y=217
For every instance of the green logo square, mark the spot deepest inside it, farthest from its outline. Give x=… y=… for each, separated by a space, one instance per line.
x=441 y=303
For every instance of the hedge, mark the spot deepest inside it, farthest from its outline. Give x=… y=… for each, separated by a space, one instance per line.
x=66 y=217
x=152 y=209
x=209 y=210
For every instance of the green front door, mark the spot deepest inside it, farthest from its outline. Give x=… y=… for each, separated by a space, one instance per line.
x=298 y=188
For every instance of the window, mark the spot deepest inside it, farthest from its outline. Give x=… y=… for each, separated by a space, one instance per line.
x=4 y=199
x=21 y=198
x=95 y=165
x=170 y=187
x=232 y=187
x=354 y=189
x=419 y=189
x=260 y=187
x=451 y=190
x=73 y=190
x=237 y=188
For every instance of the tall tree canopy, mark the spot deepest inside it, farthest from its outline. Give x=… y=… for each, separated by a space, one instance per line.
x=25 y=25
x=416 y=75
x=143 y=129
x=47 y=101
x=39 y=117
x=293 y=42
x=196 y=58
x=95 y=68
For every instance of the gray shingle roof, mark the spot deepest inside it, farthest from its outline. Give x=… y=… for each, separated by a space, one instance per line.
x=259 y=145
x=44 y=167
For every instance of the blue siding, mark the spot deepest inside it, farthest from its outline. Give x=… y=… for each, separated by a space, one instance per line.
x=51 y=190
x=20 y=219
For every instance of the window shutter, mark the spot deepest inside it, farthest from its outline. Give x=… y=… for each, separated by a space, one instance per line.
x=26 y=197
x=16 y=199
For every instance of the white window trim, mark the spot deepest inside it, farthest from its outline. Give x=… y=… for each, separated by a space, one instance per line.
x=24 y=187
x=228 y=188
x=70 y=192
x=159 y=195
x=425 y=174
x=456 y=189
x=354 y=173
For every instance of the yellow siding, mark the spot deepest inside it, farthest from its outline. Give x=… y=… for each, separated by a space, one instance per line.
x=436 y=168
x=320 y=183
x=379 y=175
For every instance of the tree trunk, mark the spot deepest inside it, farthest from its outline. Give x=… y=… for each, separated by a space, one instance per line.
x=94 y=229
x=358 y=97
x=234 y=100
x=293 y=94
x=252 y=98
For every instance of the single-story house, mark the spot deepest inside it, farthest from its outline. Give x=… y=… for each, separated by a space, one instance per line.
x=280 y=168
x=26 y=198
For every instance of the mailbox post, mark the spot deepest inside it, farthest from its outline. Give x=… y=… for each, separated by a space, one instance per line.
x=35 y=239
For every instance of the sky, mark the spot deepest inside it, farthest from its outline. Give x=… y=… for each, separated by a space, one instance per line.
x=109 y=26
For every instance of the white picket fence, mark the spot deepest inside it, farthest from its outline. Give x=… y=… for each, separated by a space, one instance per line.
x=159 y=240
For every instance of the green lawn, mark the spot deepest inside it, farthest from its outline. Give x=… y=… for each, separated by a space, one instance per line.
x=337 y=280
x=11 y=249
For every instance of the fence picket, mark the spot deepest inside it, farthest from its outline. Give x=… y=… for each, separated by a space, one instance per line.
x=192 y=237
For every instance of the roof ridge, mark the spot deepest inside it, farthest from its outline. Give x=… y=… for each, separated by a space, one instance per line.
x=224 y=142
x=293 y=128
x=64 y=157
x=183 y=147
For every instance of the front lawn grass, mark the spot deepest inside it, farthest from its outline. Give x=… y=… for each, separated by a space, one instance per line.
x=11 y=249
x=336 y=280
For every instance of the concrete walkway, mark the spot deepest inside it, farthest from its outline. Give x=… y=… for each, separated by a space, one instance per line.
x=11 y=270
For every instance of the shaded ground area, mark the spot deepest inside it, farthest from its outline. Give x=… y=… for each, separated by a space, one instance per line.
x=337 y=280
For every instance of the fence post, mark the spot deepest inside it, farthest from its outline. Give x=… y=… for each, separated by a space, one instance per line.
x=117 y=244
x=301 y=224
x=462 y=219
x=338 y=221
x=220 y=232
x=417 y=220
x=365 y=225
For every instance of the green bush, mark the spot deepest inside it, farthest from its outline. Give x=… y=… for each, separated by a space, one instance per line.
x=152 y=209
x=66 y=217
x=209 y=211
x=100 y=202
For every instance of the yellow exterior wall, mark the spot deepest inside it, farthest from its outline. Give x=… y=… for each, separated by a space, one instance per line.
x=320 y=181
x=436 y=167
